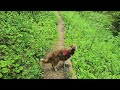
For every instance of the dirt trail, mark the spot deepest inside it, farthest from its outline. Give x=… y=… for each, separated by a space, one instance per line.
x=48 y=72
x=60 y=30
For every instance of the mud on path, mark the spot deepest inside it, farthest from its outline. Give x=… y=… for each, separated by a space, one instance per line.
x=48 y=72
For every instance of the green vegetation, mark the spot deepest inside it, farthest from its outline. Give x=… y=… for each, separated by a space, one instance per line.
x=115 y=23
x=25 y=36
x=98 y=51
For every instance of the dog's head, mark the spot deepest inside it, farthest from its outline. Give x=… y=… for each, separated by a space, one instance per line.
x=69 y=50
x=72 y=49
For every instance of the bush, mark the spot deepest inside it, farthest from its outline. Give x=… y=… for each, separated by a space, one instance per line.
x=115 y=22
x=24 y=38
x=97 y=54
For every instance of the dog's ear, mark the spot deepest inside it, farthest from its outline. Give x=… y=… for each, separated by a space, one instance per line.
x=72 y=46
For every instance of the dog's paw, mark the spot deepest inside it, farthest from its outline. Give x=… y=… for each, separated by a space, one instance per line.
x=55 y=69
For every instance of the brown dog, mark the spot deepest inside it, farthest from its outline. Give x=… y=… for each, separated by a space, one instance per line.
x=63 y=55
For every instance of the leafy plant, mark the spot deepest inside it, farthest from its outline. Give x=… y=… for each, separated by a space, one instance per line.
x=25 y=37
x=97 y=54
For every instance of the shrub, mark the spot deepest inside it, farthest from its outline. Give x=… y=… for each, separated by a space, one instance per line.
x=97 y=54
x=25 y=36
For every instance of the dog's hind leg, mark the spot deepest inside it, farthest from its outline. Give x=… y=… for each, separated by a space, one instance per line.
x=64 y=64
x=53 y=66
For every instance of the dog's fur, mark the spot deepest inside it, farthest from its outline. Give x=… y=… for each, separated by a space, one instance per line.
x=60 y=55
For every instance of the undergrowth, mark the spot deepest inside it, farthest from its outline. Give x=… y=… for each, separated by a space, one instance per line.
x=98 y=52
x=25 y=36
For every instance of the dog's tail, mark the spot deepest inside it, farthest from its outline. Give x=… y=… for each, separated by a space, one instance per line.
x=44 y=60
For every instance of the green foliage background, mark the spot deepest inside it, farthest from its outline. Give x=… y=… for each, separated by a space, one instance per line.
x=98 y=52
x=25 y=36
